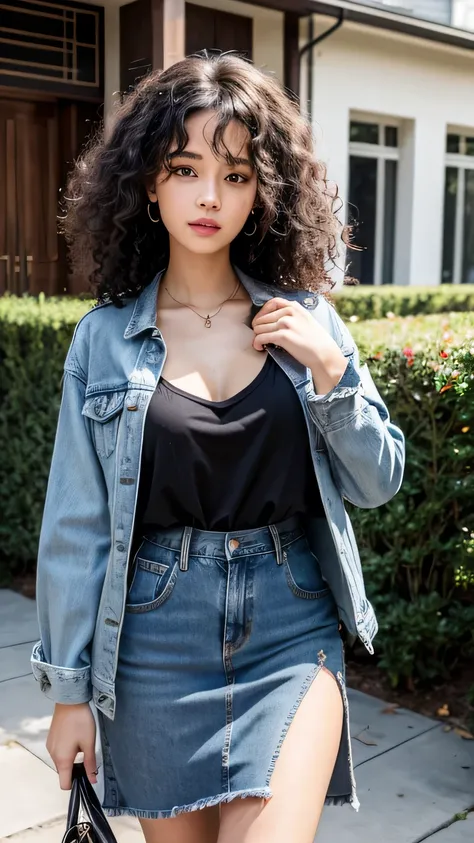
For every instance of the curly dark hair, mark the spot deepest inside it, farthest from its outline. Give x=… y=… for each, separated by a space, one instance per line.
x=105 y=218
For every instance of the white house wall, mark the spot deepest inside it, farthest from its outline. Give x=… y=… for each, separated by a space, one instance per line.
x=431 y=87
x=463 y=14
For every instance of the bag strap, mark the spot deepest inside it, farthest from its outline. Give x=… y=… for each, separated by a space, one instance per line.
x=74 y=802
x=93 y=809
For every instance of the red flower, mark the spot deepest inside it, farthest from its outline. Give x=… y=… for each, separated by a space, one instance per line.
x=409 y=354
x=444 y=354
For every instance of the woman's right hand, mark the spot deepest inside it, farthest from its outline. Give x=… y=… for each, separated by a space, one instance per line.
x=72 y=730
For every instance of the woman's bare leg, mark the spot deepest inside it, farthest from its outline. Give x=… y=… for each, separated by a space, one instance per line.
x=301 y=776
x=195 y=827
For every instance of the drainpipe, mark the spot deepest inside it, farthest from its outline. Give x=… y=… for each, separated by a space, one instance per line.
x=309 y=48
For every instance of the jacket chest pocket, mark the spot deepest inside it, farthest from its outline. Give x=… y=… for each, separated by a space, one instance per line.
x=104 y=410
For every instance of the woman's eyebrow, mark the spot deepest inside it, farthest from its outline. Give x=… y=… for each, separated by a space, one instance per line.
x=193 y=156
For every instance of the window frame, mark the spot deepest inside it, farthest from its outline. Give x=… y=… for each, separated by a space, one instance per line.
x=461 y=162
x=382 y=154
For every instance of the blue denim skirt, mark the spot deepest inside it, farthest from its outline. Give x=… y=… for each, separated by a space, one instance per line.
x=223 y=635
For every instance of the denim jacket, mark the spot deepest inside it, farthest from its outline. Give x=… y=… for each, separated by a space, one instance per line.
x=111 y=371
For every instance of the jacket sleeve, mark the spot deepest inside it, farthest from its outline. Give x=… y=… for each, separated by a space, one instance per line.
x=366 y=450
x=73 y=552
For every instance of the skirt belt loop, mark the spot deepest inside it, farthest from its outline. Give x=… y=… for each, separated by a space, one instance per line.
x=276 y=541
x=185 y=544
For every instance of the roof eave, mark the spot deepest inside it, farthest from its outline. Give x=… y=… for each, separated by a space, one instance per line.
x=395 y=22
x=378 y=18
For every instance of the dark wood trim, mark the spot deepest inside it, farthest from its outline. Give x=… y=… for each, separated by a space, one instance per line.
x=298 y=7
x=135 y=42
x=157 y=34
x=25 y=94
x=141 y=41
x=30 y=95
x=291 y=62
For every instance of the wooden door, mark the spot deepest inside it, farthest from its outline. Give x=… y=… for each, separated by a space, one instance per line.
x=214 y=30
x=29 y=183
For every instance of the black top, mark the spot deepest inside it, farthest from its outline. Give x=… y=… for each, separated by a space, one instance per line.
x=226 y=465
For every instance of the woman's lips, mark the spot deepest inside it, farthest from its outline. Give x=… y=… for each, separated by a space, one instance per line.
x=204 y=229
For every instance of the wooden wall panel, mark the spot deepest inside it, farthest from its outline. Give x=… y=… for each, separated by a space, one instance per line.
x=215 y=30
x=30 y=161
x=234 y=32
x=136 y=42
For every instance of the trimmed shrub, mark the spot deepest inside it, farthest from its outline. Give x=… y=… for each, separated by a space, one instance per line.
x=34 y=338
x=368 y=302
x=418 y=550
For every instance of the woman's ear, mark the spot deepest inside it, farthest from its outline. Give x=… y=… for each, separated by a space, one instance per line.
x=151 y=191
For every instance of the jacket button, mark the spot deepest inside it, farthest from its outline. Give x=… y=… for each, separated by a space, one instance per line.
x=120 y=547
x=309 y=301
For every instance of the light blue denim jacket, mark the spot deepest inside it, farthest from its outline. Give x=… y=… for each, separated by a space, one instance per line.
x=111 y=371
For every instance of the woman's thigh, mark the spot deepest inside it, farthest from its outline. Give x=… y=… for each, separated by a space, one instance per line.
x=301 y=776
x=194 y=827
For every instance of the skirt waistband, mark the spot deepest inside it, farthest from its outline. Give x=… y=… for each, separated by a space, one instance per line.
x=190 y=541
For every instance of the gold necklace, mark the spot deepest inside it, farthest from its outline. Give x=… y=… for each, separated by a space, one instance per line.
x=207 y=319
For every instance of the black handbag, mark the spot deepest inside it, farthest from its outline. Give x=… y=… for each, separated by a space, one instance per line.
x=93 y=827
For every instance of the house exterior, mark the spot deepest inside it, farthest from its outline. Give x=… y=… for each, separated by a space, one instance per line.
x=388 y=86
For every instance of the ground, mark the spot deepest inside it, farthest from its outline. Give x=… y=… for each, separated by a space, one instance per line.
x=446 y=701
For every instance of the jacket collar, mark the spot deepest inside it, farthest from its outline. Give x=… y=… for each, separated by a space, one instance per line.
x=144 y=312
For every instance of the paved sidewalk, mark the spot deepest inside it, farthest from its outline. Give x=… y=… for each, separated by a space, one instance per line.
x=414 y=780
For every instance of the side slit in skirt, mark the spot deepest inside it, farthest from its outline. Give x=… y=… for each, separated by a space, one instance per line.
x=223 y=635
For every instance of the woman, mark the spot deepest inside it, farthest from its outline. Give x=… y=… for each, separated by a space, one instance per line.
x=197 y=570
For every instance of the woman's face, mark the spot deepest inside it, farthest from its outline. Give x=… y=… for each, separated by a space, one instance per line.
x=204 y=186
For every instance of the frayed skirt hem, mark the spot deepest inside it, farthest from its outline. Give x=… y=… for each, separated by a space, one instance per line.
x=264 y=793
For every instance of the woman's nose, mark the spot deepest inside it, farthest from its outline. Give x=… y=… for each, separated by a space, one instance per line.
x=209 y=200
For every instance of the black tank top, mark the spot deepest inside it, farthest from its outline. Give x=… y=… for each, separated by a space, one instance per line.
x=226 y=465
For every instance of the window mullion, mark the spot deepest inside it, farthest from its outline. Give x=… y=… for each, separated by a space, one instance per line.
x=459 y=226
x=379 y=219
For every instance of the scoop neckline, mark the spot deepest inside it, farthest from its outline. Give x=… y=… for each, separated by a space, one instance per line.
x=228 y=401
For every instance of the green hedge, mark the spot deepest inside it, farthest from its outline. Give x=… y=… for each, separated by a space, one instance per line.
x=368 y=302
x=418 y=550
x=34 y=338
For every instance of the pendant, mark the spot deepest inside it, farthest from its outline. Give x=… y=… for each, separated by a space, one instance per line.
x=207 y=323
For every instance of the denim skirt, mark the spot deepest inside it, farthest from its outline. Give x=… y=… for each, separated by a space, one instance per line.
x=223 y=635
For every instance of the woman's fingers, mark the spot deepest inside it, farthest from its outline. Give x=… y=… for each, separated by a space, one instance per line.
x=90 y=764
x=273 y=338
x=64 y=768
x=72 y=731
x=268 y=328
x=271 y=316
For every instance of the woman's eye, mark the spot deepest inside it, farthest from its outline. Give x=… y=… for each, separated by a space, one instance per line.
x=184 y=171
x=237 y=176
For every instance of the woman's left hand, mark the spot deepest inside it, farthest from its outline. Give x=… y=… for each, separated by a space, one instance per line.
x=287 y=324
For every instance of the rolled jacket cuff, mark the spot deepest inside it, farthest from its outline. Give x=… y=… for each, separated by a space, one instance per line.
x=65 y=685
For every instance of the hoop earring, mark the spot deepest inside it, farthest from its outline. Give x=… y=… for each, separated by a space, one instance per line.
x=148 y=209
x=251 y=233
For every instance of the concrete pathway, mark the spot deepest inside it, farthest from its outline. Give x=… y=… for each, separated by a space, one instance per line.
x=415 y=781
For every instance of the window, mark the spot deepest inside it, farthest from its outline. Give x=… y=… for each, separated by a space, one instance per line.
x=373 y=163
x=458 y=233
x=56 y=46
